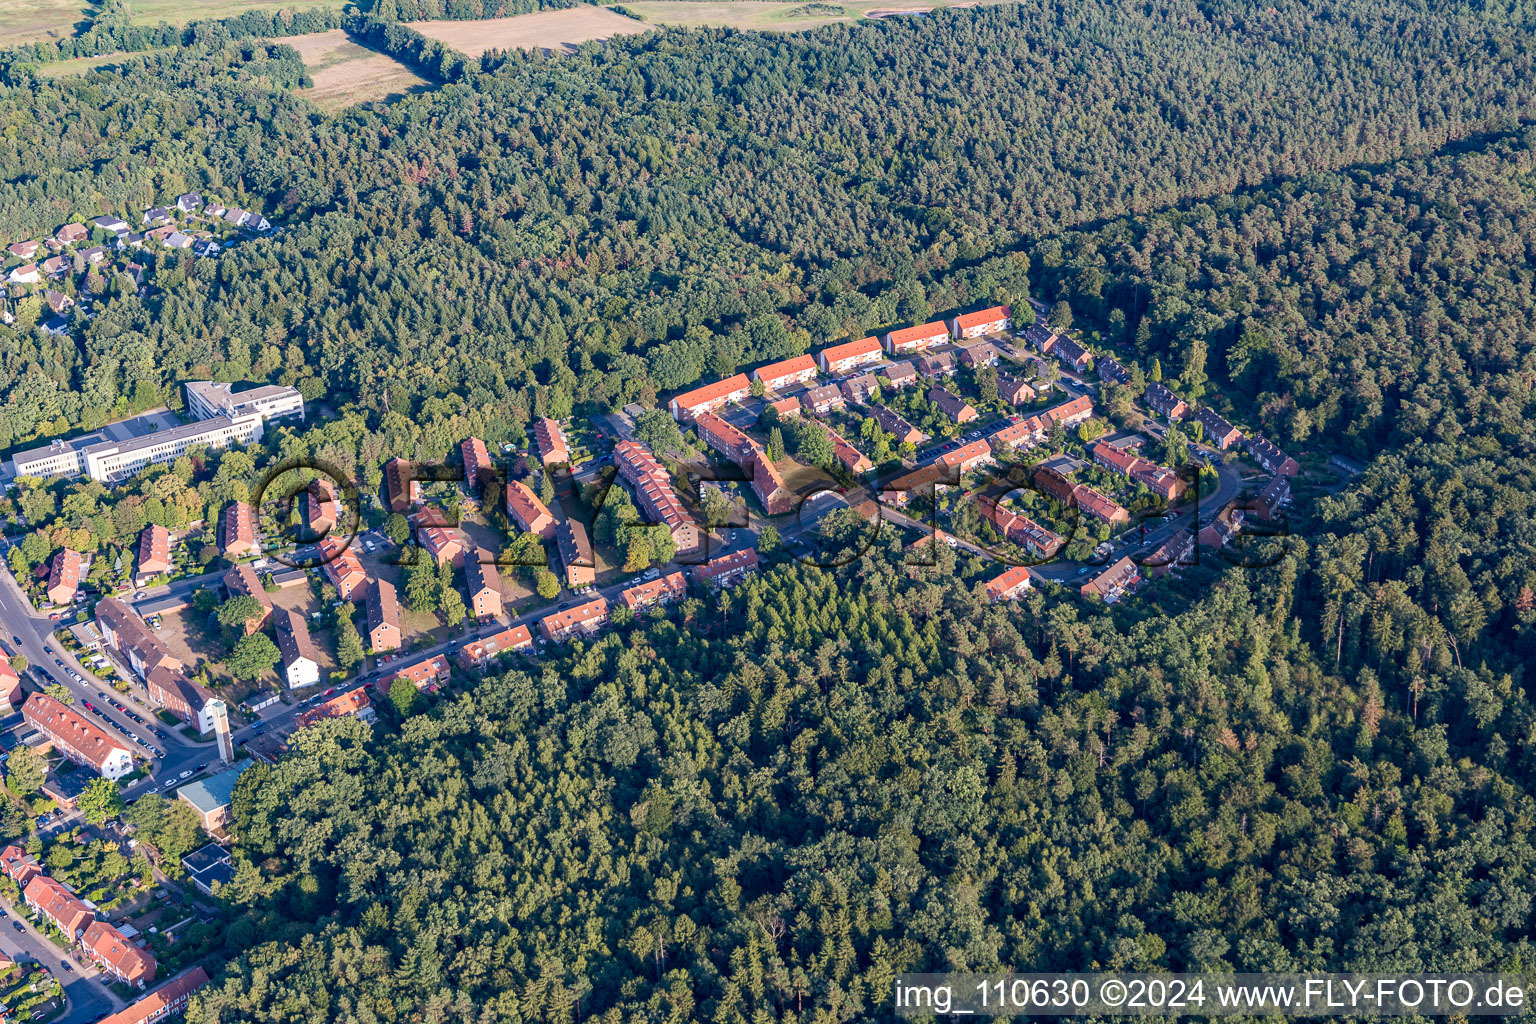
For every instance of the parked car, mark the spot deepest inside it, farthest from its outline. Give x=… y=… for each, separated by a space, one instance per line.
x=17 y=926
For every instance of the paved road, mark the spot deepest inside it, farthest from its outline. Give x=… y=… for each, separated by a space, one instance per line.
x=87 y=997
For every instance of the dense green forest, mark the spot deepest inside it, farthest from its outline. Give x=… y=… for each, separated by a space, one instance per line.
x=763 y=806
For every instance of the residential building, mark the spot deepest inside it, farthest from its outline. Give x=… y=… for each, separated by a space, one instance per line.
x=529 y=513
x=576 y=554
x=1275 y=494
x=207 y=400
x=1070 y=413
x=110 y=950
x=1021 y=530
x=209 y=866
x=320 y=509
x=1072 y=355
x=477 y=653
x=585 y=619
x=898 y=427
x=27 y=250
x=710 y=397
x=70 y=234
x=785 y=407
x=994 y=320
x=402 y=488
x=168 y=1000
x=1220 y=531
x=550 y=439
x=479 y=469
x=982 y=354
x=342 y=566
x=785 y=372
x=483 y=585
x=919 y=483
x=25 y=274
x=900 y=375
x=1268 y=455
x=1099 y=505
x=1217 y=430
x=187 y=700
x=844 y=357
x=952 y=405
x=1013 y=390
x=58 y=302
x=936 y=364
x=823 y=400
x=666 y=590
x=63 y=576
x=768 y=483
x=189 y=202
x=1042 y=338
x=128 y=635
x=19 y=865
x=1171 y=554
x=858 y=389
x=10 y=688
x=426 y=674
x=1111 y=369
x=237 y=533
x=445 y=544
x=77 y=737
x=722 y=438
x=300 y=666
x=652 y=485
x=1010 y=586
x=1114 y=582
x=967 y=457
x=154 y=551
x=852 y=459
x=911 y=340
x=1159 y=480
x=1165 y=402
x=353 y=702
x=727 y=570
x=242 y=580
x=61 y=908
x=383 y=617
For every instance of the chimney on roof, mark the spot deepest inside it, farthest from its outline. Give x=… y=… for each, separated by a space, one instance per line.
x=220 y=715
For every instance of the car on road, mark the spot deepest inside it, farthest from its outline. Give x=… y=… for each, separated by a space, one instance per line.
x=139 y=596
x=201 y=767
x=17 y=926
x=67 y=966
x=329 y=692
x=168 y=783
x=89 y=707
x=59 y=662
x=187 y=774
x=47 y=649
x=15 y=639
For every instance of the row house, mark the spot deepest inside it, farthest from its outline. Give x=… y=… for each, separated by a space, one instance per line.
x=1165 y=402
x=768 y=484
x=1110 y=369
x=445 y=544
x=483 y=584
x=1099 y=505
x=983 y=354
x=59 y=907
x=131 y=638
x=529 y=513
x=1217 y=430
x=1114 y=582
x=1273 y=497
x=936 y=364
x=19 y=865
x=300 y=666
x=1021 y=530
x=967 y=457
x=899 y=375
x=238 y=531
x=479 y=469
x=897 y=427
x=243 y=581
x=952 y=405
x=168 y=1000
x=912 y=340
x=994 y=320
x=851 y=355
x=853 y=460
x=342 y=566
x=1218 y=533
x=77 y=737
x=727 y=570
x=1042 y=338
x=1171 y=554
x=710 y=397
x=403 y=489
x=785 y=407
x=654 y=493
x=476 y=654
x=575 y=549
x=722 y=438
x=1010 y=586
x=859 y=389
x=785 y=373
x=584 y=619
x=823 y=400
x=320 y=508
x=1072 y=355
x=383 y=617
x=668 y=589
x=1014 y=391
x=426 y=674
x=110 y=950
x=354 y=703
x=1159 y=480
x=1267 y=454
x=187 y=700
x=63 y=576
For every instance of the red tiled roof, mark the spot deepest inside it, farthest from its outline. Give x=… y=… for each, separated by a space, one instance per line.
x=711 y=393
x=349 y=703
x=785 y=368
x=1008 y=583
x=982 y=316
x=862 y=348
x=162 y=1001
x=110 y=947
x=919 y=333
x=668 y=588
x=70 y=729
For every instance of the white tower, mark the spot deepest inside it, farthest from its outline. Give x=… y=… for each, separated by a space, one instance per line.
x=220 y=715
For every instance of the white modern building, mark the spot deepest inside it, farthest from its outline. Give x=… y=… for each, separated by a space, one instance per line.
x=207 y=400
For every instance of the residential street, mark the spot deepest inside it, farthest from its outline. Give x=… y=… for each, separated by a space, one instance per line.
x=88 y=999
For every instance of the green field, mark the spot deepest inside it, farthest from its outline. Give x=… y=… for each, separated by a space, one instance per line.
x=80 y=65
x=25 y=21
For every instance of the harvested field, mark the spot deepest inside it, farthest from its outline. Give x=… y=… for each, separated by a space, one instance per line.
x=769 y=16
x=557 y=31
x=346 y=73
x=25 y=21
